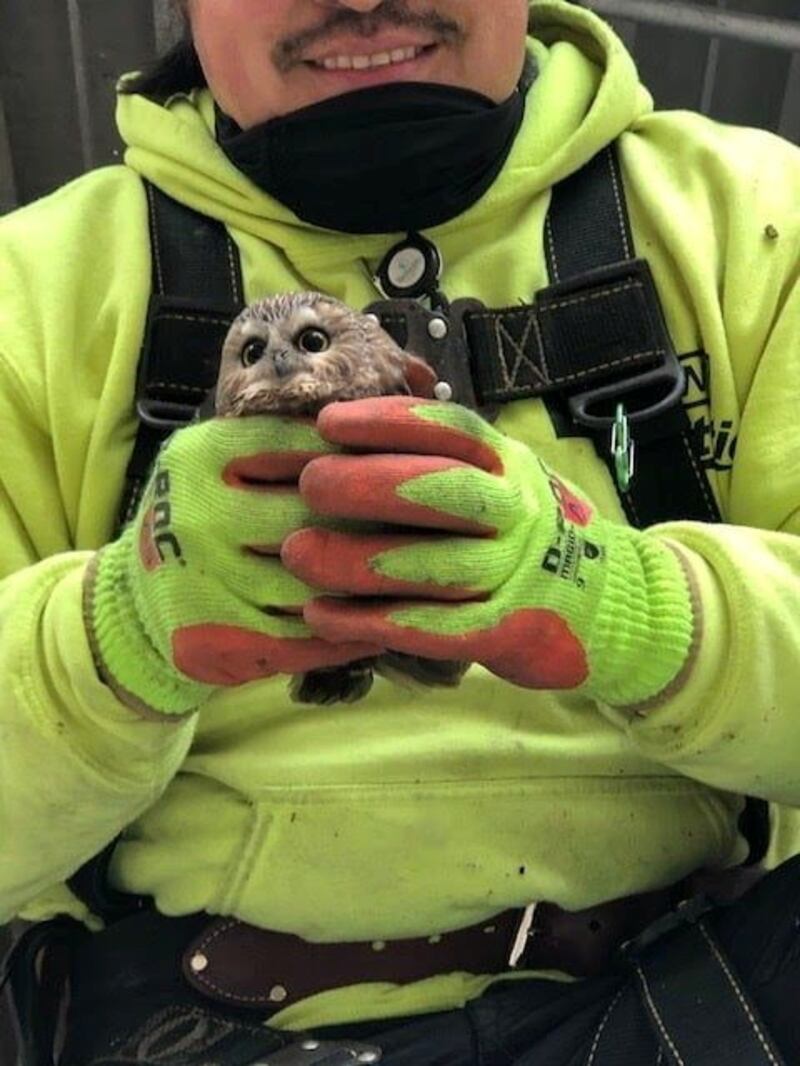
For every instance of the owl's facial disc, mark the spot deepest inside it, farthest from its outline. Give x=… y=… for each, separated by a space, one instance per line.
x=286 y=347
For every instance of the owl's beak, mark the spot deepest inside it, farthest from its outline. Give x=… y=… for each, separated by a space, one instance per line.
x=282 y=363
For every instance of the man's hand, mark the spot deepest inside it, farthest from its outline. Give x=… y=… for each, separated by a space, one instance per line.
x=504 y=563
x=193 y=595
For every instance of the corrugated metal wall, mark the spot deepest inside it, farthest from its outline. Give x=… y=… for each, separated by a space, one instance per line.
x=59 y=60
x=750 y=82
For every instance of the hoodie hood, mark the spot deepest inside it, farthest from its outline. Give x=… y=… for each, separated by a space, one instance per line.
x=174 y=145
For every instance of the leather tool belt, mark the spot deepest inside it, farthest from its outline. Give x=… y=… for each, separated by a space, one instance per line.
x=239 y=964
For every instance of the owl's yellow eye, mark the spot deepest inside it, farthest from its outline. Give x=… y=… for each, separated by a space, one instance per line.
x=313 y=341
x=252 y=352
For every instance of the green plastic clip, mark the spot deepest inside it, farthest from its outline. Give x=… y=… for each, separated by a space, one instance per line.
x=622 y=449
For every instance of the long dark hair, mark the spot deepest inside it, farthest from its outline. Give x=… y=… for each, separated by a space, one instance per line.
x=177 y=71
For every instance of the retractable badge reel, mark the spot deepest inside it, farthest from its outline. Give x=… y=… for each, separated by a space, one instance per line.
x=411 y=270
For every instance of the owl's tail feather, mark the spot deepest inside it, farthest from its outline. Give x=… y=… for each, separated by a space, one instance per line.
x=399 y=667
x=349 y=683
x=339 y=684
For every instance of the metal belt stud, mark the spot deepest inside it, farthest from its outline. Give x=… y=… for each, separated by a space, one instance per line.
x=622 y=449
x=312 y=1052
x=199 y=962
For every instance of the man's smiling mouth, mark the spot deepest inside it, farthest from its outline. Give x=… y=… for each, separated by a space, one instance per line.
x=370 y=61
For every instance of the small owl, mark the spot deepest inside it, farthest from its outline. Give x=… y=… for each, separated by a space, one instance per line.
x=293 y=354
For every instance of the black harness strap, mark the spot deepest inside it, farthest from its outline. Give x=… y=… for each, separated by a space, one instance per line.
x=588 y=229
x=698 y=1008
x=603 y=326
x=669 y=483
x=196 y=291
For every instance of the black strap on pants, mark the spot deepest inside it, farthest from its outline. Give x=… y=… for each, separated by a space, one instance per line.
x=697 y=1005
x=36 y=970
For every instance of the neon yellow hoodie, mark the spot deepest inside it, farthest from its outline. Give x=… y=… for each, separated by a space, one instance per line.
x=406 y=814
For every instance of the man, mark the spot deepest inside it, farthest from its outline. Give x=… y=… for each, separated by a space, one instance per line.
x=620 y=707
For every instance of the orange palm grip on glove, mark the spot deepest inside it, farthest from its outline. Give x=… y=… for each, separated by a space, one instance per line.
x=490 y=557
x=193 y=596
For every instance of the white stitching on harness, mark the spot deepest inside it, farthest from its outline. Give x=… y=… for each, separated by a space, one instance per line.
x=598 y=294
x=701 y=481
x=613 y=363
x=657 y=1016
x=548 y=229
x=620 y=215
x=232 y=264
x=601 y=1027
x=739 y=994
x=154 y=237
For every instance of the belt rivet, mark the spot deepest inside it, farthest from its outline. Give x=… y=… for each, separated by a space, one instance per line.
x=435 y=939
x=368 y=1056
x=198 y=962
x=438 y=329
x=378 y=945
x=490 y=929
x=310 y=1045
x=277 y=994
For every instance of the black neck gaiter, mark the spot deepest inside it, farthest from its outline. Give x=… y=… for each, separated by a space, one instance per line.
x=398 y=157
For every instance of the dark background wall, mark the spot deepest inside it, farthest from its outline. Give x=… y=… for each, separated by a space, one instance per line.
x=59 y=60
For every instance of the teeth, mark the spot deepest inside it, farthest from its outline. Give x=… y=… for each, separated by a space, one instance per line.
x=364 y=62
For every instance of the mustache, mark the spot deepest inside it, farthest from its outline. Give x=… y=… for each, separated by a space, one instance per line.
x=393 y=13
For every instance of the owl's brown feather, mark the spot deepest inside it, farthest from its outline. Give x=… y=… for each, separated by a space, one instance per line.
x=361 y=360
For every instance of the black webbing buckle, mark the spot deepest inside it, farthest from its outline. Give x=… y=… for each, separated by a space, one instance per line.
x=626 y=292
x=180 y=360
x=650 y=392
x=594 y=338
x=163 y=415
x=658 y=390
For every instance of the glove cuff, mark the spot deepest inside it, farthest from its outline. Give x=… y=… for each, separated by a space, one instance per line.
x=126 y=656
x=644 y=630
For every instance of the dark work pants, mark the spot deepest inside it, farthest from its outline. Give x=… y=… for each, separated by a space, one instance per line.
x=127 y=1012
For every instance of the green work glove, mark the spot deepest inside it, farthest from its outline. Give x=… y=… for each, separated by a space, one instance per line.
x=193 y=595
x=514 y=568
